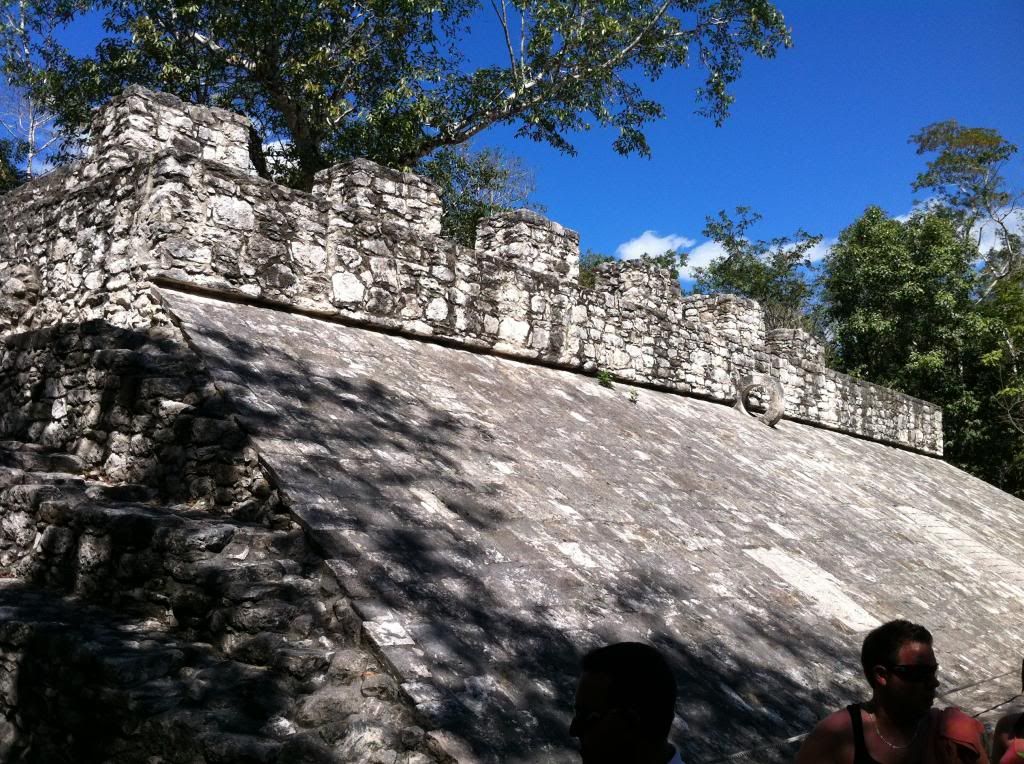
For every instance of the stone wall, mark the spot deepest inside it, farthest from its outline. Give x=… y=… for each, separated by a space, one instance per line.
x=133 y=407
x=89 y=362
x=169 y=194
x=135 y=631
x=637 y=325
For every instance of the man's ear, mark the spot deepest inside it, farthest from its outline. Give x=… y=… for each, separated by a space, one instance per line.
x=880 y=674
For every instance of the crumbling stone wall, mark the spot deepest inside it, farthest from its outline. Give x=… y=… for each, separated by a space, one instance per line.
x=169 y=193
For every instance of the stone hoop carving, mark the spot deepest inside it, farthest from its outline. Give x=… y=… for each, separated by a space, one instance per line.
x=771 y=388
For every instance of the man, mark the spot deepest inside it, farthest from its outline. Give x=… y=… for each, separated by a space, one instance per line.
x=625 y=703
x=898 y=724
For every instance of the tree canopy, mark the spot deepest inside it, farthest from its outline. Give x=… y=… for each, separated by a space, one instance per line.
x=897 y=302
x=389 y=80
x=903 y=304
x=771 y=272
x=476 y=184
x=966 y=178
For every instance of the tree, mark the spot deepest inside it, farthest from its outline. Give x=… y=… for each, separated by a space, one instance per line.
x=386 y=79
x=476 y=184
x=1001 y=451
x=29 y=125
x=966 y=178
x=771 y=272
x=898 y=299
x=10 y=175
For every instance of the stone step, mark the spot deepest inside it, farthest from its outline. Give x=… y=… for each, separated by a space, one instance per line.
x=82 y=683
x=152 y=632
x=32 y=457
x=210 y=575
x=91 y=684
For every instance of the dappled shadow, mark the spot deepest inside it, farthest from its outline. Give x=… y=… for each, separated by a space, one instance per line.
x=396 y=476
x=186 y=654
x=134 y=406
x=92 y=686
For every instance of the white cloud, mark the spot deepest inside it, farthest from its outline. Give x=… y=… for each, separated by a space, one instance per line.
x=650 y=243
x=700 y=256
x=987 y=233
x=819 y=250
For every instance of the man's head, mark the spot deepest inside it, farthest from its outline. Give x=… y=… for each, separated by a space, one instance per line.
x=625 y=703
x=900 y=666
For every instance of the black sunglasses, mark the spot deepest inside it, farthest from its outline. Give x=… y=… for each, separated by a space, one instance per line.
x=914 y=672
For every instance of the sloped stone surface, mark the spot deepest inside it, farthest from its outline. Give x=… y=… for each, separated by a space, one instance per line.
x=490 y=520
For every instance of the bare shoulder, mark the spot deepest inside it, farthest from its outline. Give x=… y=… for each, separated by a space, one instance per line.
x=1003 y=732
x=830 y=742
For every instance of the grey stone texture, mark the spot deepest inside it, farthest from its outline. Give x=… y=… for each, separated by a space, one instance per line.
x=490 y=520
x=363 y=486
x=134 y=407
x=168 y=194
x=136 y=631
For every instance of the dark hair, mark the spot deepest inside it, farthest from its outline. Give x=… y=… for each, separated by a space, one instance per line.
x=641 y=680
x=882 y=646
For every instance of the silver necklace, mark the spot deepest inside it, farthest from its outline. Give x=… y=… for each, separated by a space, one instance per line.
x=893 y=746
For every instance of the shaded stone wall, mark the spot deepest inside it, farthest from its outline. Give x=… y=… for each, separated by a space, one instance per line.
x=133 y=407
x=169 y=192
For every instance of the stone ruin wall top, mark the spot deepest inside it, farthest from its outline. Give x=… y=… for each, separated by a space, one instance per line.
x=169 y=194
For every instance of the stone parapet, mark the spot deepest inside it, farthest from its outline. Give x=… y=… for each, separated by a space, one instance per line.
x=801 y=347
x=168 y=193
x=139 y=122
x=377 y=202
x=637 y=325
x=531 y=241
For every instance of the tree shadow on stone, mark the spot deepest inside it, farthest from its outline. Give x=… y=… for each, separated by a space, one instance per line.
x=135 y=407
x=379 y=471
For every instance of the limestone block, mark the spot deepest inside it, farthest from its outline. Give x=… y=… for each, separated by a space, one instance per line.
x=347 y=288
x=437 y=310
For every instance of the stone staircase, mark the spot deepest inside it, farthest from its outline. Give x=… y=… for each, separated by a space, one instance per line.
x=133 y=631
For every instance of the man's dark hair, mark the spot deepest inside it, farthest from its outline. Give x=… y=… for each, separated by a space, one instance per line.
x=882 y=646
x=641 y=681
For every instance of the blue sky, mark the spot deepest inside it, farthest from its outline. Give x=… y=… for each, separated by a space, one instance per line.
x=816 y=134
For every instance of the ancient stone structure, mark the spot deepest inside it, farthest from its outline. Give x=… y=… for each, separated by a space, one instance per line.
x=298 y=448
x=169 y=194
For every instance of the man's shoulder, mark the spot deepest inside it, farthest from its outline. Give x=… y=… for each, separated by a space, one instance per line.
x=838 y=722
x=829 y=741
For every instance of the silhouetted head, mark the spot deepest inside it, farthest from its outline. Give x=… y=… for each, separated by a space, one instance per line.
x=900 y=666
x=625 y=704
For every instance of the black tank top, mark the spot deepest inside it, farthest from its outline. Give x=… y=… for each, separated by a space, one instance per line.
x=860 y=748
